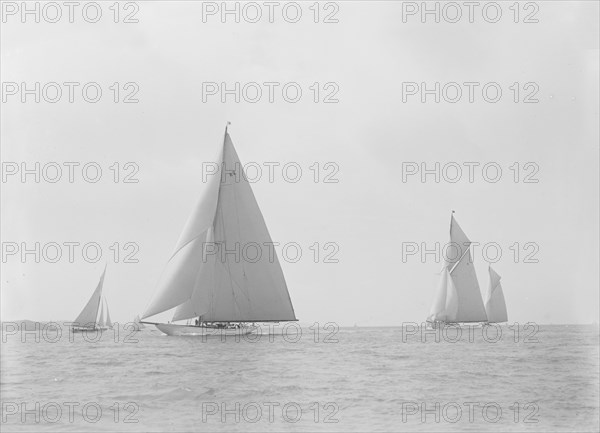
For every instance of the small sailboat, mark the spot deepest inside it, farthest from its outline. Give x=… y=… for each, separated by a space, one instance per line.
x=458 y=297
x=495 y=306
x=222 y=293
x=105 y=322
x=137 y=323
x=88 y=319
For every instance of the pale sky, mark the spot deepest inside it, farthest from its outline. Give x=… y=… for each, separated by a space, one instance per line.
x=369 y=134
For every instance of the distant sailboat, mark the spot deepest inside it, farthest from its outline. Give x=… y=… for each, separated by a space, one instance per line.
x=458 y=298
x=495 y=306
x=137 y=323
x=220 y=291
x=105 y=323
x=88 y=319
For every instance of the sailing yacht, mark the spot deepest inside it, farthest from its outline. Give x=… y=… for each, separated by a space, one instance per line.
x=458 y=297
x=222 y=293
x=89 y=319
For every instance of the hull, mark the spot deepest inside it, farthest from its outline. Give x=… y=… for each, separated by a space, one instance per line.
x=439 y=325
x=202 y=331
x=83 y=329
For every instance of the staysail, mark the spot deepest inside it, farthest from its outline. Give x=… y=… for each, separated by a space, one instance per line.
x=458 y=298
x=495 y=306
x=224 y=267
x=88 y=315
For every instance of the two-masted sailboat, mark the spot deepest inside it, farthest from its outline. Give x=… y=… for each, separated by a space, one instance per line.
x=89 y=319
x=221 y=292
x=458 y=297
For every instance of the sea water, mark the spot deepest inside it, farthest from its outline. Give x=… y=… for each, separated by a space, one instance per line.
x=319 y=378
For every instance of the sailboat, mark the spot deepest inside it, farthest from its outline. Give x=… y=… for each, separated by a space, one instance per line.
x=458 y=297
x=137 y=323
x=222 y=293
x=88 y=319
x=105 y=322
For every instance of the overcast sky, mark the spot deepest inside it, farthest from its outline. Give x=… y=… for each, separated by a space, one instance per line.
x=370 y=212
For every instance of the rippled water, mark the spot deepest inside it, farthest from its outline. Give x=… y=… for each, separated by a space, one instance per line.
x=379 y=379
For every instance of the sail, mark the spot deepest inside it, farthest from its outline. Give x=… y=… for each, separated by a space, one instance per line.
x=495 y=306
x=241 y=279
x=452 y=301
x=137 y=323
x=108 y=322
x=179 y=278
x=101 y=321
x=445 y=305
x=462 y=270
x=438 y=308
x=88 y=315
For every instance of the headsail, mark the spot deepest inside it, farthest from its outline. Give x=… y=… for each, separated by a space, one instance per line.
x=218 y=280
x=495 y=306
x=88 y=315
x=179 y=278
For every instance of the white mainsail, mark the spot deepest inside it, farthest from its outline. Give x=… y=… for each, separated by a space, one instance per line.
x=205 y=277
x=495 y=306
x=88 y=315
x=458 y=298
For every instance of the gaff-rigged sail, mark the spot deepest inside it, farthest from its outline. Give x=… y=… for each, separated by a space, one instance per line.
x=88 y=315
x=222 y=281
x=495 y=306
